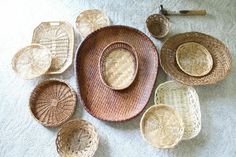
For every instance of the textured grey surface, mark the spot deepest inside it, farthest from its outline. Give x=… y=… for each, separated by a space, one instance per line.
x=21 y=135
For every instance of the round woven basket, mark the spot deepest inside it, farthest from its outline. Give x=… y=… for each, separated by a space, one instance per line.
x=52 y=102
x=77 y=138
x=220 y=54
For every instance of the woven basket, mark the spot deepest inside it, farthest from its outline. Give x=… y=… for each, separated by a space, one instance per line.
x=185 y=100
x=90 y=20
x=219 y=52
x=161 y=126
x=32 y=61
x=118 y=65
x=158 y=25
x=52 y=102
x=59 y=38
x=77 y=138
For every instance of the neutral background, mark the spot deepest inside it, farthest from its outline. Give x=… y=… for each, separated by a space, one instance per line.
x=21 y=135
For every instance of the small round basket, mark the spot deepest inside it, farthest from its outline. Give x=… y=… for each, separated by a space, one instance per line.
x=158 y=25
x=52 y=102
x=77 y=138
x=162 y=126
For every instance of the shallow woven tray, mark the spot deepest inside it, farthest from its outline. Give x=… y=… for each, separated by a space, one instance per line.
x=219 y=52
x=118 y=65
x=52 y=102
x=59 y=38
x=90 y=20
x=32 y=61
x=77 y=138
x=185 y=100
x=194 y=59
x=158 y=25
x=105 y=103
x=161 y=126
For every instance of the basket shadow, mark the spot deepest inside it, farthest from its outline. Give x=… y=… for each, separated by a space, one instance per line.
x=103 y=149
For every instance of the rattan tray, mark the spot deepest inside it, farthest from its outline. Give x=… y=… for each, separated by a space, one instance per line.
x=105 y=103
x=59 y=38
x=185 y=100
x=219 y=52
x=161 y=126
x=118 y=65
x=52 y=102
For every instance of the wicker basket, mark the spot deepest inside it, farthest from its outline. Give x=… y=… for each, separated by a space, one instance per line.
x=219 y=52
x=185 y=100
x=59 y=38
x=32 y=61
x=118 y=65
x=77 y=138
x=52 y=102
x=161 y=126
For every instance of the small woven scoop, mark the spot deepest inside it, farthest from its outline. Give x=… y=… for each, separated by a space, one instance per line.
x=52 y=102
x=77 y=138
x=161 y=126
x=194 y=59
x=118 y=65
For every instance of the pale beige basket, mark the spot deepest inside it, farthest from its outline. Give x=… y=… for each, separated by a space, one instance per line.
x=162 y=126
x=185 y=100
x=57 y=36
x=77 y=138
x=32 y=61
x=194 y=59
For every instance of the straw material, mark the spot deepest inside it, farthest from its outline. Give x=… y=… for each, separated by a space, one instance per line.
x=194 y=59
x=59 y=38
x=52 y=102
x=118 y=65
x=161 y=126
x=158 y=25
x=185 y=100
x=77 y=138
x=32 y=61
x=219 y=52
x=105 y=103
x=90 y=20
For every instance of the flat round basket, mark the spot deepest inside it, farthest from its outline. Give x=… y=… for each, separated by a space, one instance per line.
x=52 y=102
x=59 y=38
x=118 y=65
x=161 y=126
x=32 y=61
x=77 y=138
x=194 y=59
x=185 y=100
x=90 y=20
x=219 y=52
x=105 y=103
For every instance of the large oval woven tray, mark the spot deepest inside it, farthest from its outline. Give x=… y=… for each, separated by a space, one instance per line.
x=59 y=38
x=101 y=101
x=185 y=100
x=222 y=61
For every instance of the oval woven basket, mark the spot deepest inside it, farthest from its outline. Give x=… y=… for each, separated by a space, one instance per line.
x=77 y=138
x=52 y=102
x=186 y=102
x=220 y=54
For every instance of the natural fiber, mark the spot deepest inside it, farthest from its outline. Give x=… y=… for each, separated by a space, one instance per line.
x=77 y=138
x=32 y=61
x=194 y=59
x=102 y=102
x=90 y=20
x=158 y=25
x=161 y=126
x=59 y=38
x=118 y=65
x=52 y=102
x=219 y=52
x=185 y=100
